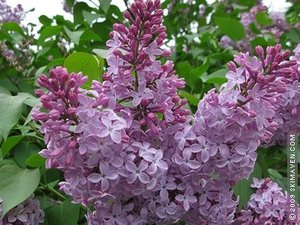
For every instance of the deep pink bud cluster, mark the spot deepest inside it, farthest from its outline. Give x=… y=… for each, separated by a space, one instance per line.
x=277 y=28
x=60 y=103
x=26 y=213
x=288 y=106
x=268 y=205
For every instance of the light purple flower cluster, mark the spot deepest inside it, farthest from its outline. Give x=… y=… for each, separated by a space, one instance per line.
x=231 y=124
x=274 y=77
x=115 y=142
x=26 y=213
x=129 y=149
x=277 y=27
x=9 y=14
x=268 y=205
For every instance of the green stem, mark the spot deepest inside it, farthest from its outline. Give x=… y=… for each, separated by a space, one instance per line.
x=33 y=127
x=53 y=191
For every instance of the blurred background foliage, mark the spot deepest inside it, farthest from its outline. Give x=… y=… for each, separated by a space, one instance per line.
x=203 y=38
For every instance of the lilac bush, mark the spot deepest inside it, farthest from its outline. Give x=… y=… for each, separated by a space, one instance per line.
x=277 y=27
x=18 y=53
x=268 y=205
x=26 y=213
x=129 y=148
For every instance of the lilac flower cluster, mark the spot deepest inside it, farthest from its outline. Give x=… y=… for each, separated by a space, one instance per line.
x=115 y=142
x=9 y=14
x=287 y=113
x=274 y=78
x=277 y=27
x=26 y=213
x=219 y=146
x=230 y=125
x=268 y=205
x=130 y=150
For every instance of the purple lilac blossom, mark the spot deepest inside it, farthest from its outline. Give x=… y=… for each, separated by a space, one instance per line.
x=26 y=213
x=268 y=205
x=129 y=148
x=95 y=136
x=9 y=14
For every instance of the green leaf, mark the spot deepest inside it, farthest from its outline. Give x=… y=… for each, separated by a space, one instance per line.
x=201 y=69
x=88 y=64
x=45 y=201
x=259 y=41
x=10 y=143
x=78 y=10
x=243 y=189
x=104 y=4
x=89 y=36
x=3 y=90
x=190 y=75
x=65 y=213
x=10 y=111
x=17 y=185
x=12 y=26
x=47 y=33
x=54 y=63
x=274 y=174
x=31 y=100
x=254 y=29
x=183 y=69
x=193 y=100
x=101 y=52
x=74 y=35
x=45 y=20
x=263 y=19
x=91 y=17
x=4 y=36
x=231 y=27
x=35 y=160
x=217 y=77
x=294 y=36
x=24 y=150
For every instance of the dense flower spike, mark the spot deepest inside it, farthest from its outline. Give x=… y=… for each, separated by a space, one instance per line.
x=268 y=205
x=288 y=107
x=26 y=213
x=277 y=26
x=130 y=150
x=229 y=126
x=114 y=143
